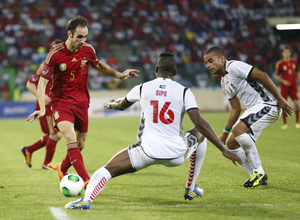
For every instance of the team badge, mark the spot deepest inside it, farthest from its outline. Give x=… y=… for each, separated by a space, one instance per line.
x=63 y=67
x=284 y=68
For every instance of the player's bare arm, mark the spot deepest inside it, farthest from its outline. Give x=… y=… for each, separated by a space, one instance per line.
x=41 y=99
x=118 y=104
x=265 y=80
x=107 y=70
x=205 y=129
x=234 y=114
x=32 y=88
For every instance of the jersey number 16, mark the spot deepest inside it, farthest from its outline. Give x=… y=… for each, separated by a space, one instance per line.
x=162 y=112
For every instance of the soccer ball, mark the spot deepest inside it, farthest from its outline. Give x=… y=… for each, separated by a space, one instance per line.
x=71 y=185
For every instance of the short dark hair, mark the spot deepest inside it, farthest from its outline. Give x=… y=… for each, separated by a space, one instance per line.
x=56 y=41
x=75 y=22
x=166 y=64
x=217 y=51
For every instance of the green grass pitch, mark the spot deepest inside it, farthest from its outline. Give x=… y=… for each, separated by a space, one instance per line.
x=155 y=192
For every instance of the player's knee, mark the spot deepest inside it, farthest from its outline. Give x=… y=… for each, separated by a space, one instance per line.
x=80 y=145
x=197 y=134
x=191 y=138
x=42 y=138
x=56 y=136
x=232 y=144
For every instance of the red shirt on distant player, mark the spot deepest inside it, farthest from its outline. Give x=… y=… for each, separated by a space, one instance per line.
x=69 y=73
x=288 y=70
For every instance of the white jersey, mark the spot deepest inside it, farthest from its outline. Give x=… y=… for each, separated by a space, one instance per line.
x=236 y=82
x=163 y=102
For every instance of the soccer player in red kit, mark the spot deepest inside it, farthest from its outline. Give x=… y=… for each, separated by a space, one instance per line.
x=286 y=71
x=67 y=64
x=52 y=135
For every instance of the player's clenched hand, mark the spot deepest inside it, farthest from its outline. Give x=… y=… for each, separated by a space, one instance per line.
x=287 y=110
x=233 y=157
x=223 y=137
x=130 y=73
x=35 y=116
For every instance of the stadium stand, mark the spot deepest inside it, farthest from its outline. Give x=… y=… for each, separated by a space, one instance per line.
x=141 y=30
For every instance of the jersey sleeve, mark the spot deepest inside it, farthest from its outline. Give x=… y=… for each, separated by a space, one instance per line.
x=134 y=94
x=34 y=79
x=49 y=65
x=240 y=69
x=190 y=101
x=93 y=59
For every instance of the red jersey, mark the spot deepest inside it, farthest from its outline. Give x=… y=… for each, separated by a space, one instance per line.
x=34 y=79
x=69 y=73
x=288 y=70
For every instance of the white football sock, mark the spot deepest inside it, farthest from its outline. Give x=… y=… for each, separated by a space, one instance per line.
x=97 y=183
x=251 y=152
x=196 y=161
x=241 y=154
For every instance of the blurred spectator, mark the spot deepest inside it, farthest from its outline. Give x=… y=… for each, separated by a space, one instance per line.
x=147 y=27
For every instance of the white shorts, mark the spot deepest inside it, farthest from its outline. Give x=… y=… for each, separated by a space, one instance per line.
x=258 y=117
x=140 y=160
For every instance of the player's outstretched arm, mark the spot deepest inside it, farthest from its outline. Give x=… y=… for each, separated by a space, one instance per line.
x=205 y=129
x=118 y=104
x=265 y=80
x=107 y=70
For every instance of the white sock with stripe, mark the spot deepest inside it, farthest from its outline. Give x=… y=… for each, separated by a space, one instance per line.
x=196 y=161
x=97 y=183
x=251 y=152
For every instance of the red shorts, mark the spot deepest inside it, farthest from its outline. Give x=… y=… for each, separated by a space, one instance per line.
x=291 y=91
x=72 y=113
x=43 y=120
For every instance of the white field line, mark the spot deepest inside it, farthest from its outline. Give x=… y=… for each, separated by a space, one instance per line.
x=59 y=213
x=210 y=205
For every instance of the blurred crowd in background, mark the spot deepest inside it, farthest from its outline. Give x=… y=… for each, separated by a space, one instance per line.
x=131 y=34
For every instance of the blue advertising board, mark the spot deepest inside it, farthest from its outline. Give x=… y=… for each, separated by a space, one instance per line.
x=16 y=109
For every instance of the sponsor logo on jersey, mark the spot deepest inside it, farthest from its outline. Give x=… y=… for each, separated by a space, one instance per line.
x=63 y=66
x=74 y=59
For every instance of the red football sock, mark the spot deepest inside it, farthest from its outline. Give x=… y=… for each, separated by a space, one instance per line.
x=284 y=118
x=39 y=144
x=50 y=149
x=297 y=116
x=65 y=164
x=76 y=160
